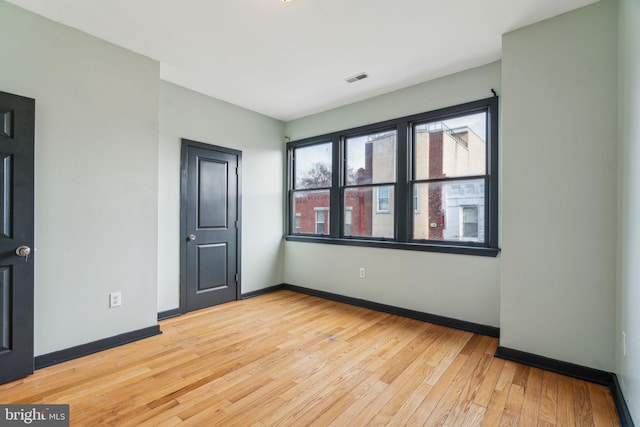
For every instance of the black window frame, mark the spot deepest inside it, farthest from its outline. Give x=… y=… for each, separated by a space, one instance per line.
x=404 y=184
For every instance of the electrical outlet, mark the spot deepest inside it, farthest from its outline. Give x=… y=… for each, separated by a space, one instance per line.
x=624 y=344
x=363 y=273
x=115 y=299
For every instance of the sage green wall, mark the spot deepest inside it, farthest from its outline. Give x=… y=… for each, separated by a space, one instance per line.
x=457 y=286
x=96 y=177
x=187 y=114
x=559 y=187
x=628 y=366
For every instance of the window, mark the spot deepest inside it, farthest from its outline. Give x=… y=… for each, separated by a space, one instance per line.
x=348 y=214
x=469 y=222
x=322 y=218
x=297 y=223
x=312 y=180
x=370 y=160
x=382 y=200
x=424 y=182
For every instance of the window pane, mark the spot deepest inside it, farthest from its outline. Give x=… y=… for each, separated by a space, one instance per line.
x=371 y=159
x=311 y=211
x=450 y=148
x=366 y=220
x=312 y=166
x=451 y=211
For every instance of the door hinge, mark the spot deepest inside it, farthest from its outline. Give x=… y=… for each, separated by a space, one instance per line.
x=236 y=171
x=237 y=225
x=236 y=277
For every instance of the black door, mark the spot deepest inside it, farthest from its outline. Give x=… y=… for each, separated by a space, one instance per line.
x=16 y=236
x=210 y=212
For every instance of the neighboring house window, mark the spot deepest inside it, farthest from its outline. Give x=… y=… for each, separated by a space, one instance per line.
x=382 y=202
x=469 y=222
x=348 y=215
x=423 y=182
x=297 y=223
x=321 y=221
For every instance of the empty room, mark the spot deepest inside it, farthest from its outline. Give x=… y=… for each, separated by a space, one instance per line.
x=304 y=212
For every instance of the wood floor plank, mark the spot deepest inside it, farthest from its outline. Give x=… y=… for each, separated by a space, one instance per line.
x=498 y=399
x=351 y=404
x=474 y=416
x=548 y=400
x=412 y=378
x=611 y=407
x=489 y=382
x=291 y=359
x=513 y=406
x=495 y=409
x=565 y=412
x=443 y=358
x=533 y=392
x=463 y=388
x=431 y=400
x=410 y=405
x=599 y=397
x=400 y=389
x=310 y=408
x=582 y=403
x=363 y=400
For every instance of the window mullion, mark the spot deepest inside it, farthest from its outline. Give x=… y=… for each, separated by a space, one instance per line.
x=335 y=208
x=402 y=192
x=290 y=181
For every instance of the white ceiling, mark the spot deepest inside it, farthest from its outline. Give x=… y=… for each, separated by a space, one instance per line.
x=288 y=60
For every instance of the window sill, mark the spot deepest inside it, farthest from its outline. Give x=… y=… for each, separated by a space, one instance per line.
x=426 y=247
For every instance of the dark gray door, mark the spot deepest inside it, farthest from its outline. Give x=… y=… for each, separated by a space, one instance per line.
x=210 y=226
x=16 y=236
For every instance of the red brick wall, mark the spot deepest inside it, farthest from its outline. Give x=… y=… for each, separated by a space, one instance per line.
x=435 y=192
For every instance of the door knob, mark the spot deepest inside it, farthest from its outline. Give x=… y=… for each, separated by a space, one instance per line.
x=191 y=237
x=23 y=251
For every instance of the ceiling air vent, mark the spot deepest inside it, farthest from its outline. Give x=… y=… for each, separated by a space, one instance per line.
x=357 y=77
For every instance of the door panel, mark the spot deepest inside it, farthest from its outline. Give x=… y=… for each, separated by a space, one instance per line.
x=6 y=186
x=213 y=193
x=212 y=267
x=210 y=225
x=5 y=309
x=16 y=229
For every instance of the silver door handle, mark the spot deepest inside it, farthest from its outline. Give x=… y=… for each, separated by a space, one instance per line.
x=23 y=251
x=191 y=237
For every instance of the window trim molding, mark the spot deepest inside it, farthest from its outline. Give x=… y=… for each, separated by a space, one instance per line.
x=404 y=157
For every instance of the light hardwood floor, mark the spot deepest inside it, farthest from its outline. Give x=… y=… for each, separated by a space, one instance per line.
x=293 y=360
